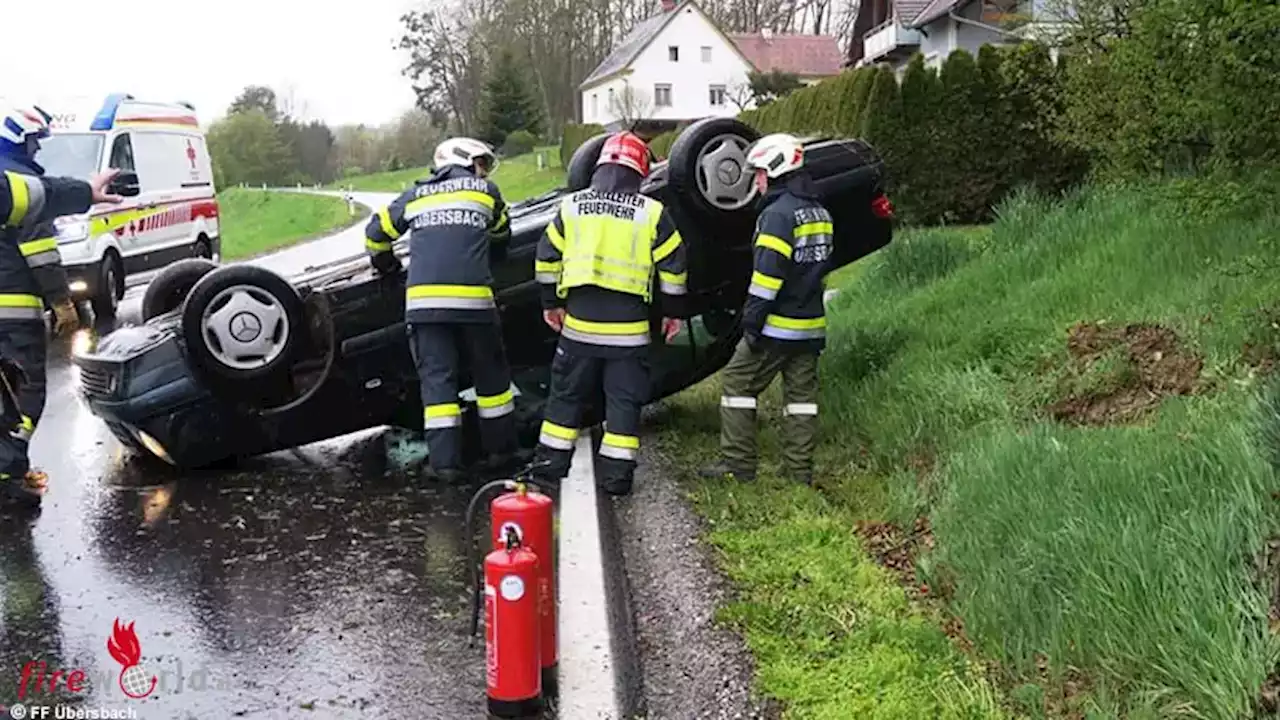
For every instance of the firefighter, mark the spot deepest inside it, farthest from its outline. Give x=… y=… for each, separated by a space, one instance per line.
x=595 y=263
x=28 y=201
x=783 y=320
x=457 y=223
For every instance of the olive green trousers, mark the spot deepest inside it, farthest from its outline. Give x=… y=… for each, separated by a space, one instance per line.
x=749 y=373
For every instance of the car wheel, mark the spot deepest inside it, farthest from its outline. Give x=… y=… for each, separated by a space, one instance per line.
x=708 y=169
x=169 y=288
x=243 y=323
x=110 y=288
x=583 y=163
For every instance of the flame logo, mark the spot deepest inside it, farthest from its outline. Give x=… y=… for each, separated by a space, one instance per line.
x=125 y=648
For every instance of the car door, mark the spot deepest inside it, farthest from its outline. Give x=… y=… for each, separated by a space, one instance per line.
x=125 y=221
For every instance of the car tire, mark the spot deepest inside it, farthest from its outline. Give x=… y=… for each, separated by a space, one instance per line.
x=106 y=300
x=583 y=163
x=242 y=326
x=170 y=288
x=713 y=144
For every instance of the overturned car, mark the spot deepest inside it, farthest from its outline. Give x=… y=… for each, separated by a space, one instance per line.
x=234 y=361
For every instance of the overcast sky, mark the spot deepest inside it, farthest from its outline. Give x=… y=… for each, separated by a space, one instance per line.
x=336 y=56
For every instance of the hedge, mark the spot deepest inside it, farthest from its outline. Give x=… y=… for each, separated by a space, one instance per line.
x=956 y=142
x=574 y=136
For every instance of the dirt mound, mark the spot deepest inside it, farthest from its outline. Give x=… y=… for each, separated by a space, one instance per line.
x=1117 y=375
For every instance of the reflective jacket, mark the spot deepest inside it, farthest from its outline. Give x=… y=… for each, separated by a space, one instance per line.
x=454 y=219
x=598 y=257
x=30 y=266
x=793 y=243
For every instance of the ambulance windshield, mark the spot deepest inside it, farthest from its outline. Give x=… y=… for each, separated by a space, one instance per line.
x=76 y=155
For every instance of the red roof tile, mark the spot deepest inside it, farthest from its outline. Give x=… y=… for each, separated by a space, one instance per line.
x=806 y=55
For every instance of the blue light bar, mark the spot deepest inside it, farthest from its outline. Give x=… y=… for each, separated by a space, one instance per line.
x=106 y=117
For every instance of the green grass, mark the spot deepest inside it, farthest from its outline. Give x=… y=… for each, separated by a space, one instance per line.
x=256 y=221
x=1104 y=571
x=518 y=178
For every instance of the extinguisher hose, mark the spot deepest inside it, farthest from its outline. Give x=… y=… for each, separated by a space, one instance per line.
x=476 y=568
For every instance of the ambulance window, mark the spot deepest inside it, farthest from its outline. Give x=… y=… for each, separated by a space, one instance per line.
x=122 y=153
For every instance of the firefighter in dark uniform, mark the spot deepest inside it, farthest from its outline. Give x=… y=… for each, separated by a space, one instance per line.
x=457 y=221
x=783 y=320
x=596 y=263
x=28 y=201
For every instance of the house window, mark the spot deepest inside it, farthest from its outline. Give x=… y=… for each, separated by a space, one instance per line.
x=662 y=95
x=717 y=96
x=706 y=53
x=673 y=53
x=595 y=105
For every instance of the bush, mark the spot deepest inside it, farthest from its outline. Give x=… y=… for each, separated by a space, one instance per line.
x=661 y=145
x=573 y=137
x=519 y=143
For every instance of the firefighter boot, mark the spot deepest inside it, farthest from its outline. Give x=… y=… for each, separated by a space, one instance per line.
x=616 y=481
x=19 y=483
x=723 y=470
x=550 y=465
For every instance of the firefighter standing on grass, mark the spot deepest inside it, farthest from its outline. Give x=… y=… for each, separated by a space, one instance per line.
x=456 y=219
x=596 y=264
x=27 y=201
x=783 y=320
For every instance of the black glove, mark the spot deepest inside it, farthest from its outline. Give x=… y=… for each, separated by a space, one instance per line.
x=387 y=264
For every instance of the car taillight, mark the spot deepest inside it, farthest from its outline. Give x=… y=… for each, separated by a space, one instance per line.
x=882 y=207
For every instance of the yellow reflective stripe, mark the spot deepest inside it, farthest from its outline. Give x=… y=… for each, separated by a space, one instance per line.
x=470 y=196
x=495 y=400
x=388 y=227
x=816 y=228
x=555 y=238
x=458 y=291
x=375 y=246
x=21 y=199
x=544 y=266
x=666 y=248
x=38 y=246
x=673 y=278
x=21 y=301
x=766 y=281
x=503 y=218
x=796 y=323
x=442 y=410
x=607 y=328
x=623 y=441
x=559 y=431
x=774 y=243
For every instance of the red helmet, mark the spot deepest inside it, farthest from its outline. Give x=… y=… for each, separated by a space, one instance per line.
x=626 y=149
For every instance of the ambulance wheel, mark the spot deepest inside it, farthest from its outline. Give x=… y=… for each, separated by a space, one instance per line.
x=583 y=163
x=708 y=167
x=170 y=288
x=243 y=326
x=106 y=300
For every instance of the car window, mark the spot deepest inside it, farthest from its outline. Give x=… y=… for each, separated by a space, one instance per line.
x=122 y=153
x=168 y=161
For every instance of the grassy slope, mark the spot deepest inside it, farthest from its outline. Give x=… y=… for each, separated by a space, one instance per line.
x=1107 y=571
x=518 y=178
x=254 y=221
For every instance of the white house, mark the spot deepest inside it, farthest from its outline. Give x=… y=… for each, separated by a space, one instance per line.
x=678 y=66
x=935 y=28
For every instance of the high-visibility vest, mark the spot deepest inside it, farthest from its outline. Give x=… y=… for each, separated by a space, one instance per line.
x=609 y=244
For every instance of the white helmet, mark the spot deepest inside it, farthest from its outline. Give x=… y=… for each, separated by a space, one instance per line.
x=465 y=151
x=20 y=123
x=776 y=154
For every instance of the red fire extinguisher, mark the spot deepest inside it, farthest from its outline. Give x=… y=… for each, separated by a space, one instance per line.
x=531 y=515
x=511 y=632
x=522 y=523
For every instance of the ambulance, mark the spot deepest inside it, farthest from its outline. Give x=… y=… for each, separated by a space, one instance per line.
x=170 y=210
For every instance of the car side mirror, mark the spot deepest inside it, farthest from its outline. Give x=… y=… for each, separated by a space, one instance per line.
x=125 y=184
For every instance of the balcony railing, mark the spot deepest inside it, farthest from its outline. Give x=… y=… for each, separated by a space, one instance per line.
x=887 y=37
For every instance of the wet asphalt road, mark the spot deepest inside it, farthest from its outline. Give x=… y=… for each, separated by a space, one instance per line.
x=315 y=583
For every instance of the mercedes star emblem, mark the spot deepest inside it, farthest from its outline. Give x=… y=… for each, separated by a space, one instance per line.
x=245 y=327
x=729 y=172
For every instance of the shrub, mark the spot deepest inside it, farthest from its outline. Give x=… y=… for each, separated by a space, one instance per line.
x=519 y=143
x=661 y=145
x=574 y=135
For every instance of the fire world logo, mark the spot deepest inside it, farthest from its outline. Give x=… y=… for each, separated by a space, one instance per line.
x=124 y=647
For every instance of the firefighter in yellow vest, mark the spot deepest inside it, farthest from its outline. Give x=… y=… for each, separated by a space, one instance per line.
x=597 y=263
x=27 y=201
